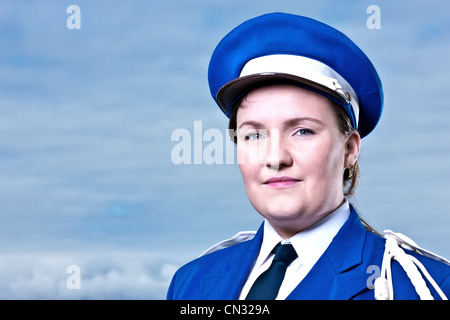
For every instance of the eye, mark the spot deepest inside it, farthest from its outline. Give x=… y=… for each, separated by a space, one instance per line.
x=254 y=136
x=303 y=132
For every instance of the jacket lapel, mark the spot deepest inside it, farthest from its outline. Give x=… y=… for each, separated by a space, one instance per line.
x=228 y=285
x=339 y=273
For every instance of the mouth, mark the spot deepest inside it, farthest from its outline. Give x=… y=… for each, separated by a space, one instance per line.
x=281 y=182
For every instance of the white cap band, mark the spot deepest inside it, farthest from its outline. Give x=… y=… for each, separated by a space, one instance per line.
x=305 y=68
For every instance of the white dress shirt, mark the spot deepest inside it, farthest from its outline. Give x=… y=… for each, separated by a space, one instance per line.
x=309 y=244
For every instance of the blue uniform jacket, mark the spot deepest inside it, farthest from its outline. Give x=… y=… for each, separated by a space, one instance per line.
x=343 y=272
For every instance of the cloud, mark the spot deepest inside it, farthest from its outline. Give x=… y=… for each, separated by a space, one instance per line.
x=112 y=275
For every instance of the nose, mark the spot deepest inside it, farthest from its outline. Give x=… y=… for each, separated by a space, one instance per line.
x=278 y=155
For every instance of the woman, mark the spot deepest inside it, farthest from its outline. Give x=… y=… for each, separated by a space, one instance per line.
x=300 y=96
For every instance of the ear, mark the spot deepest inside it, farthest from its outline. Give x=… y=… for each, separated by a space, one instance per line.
x=352 y=147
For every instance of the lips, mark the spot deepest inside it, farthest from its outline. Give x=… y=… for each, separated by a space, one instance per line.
x=281 y=182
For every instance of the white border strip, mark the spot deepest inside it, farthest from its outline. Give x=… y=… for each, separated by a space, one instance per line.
x=306 y=68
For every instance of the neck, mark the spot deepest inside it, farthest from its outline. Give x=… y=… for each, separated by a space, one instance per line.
x=288 y=228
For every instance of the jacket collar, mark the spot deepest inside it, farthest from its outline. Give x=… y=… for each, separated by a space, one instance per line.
x=339 y=273
x=349 y=240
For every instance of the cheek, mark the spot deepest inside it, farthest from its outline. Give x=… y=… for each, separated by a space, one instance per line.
x=250 y=167
x=251 y=153
x=326 y=161
x=249 y=173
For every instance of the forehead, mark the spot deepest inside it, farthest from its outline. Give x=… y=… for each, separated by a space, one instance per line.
x=281 y=102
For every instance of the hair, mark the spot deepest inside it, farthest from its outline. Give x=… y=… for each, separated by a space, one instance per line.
x=351 y=175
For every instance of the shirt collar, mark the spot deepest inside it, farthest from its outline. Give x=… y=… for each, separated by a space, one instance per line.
x=310 y=243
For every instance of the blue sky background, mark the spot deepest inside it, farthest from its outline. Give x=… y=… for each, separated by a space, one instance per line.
x=86 y=118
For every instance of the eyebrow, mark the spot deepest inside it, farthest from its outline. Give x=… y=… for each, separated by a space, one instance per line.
x=286 y=123
x=294 y=121
x=252 y=123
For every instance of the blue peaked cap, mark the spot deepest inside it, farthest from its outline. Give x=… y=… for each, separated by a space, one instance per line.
x=299 y=42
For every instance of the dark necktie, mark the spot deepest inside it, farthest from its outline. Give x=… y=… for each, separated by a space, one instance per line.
x=268 y=283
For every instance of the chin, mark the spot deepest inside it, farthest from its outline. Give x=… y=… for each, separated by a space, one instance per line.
x=279 y=210
x=289 y=224
x=286 y=217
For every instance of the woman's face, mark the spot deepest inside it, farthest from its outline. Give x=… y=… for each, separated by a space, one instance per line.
x=292 y=155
